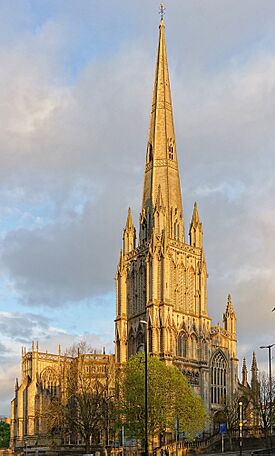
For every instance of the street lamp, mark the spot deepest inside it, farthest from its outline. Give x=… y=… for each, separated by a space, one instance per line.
x=269 y=347
x=144 y=322
x=241 y=427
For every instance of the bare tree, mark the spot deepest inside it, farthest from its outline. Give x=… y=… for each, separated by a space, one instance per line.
x=231 y=412
x=263 y=402
x=82 y=406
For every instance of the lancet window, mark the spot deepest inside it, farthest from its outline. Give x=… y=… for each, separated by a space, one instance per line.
x=182 y=344
x=218 y=379
x=191 y=290
x=131 y=345
x=181 y=288
x=204 y=350
x=193 y=347
x=173 y=291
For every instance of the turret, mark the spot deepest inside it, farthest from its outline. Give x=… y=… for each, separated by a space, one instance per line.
x=244 y=374
x=195 y=231
x=129 y=234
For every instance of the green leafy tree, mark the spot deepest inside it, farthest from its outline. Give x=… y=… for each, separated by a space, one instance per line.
x=4 y=434
x=169 y=398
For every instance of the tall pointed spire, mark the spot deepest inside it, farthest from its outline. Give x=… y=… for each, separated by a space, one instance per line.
x=161 y=160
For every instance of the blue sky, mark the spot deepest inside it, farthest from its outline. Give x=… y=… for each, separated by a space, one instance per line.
x=75 y=91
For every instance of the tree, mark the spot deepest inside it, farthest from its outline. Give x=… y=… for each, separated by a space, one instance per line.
x=231 y=412
x=4 y=434
x=82 y=405
x=262 y=402
x=169 y=398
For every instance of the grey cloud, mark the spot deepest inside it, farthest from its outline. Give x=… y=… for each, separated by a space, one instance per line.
x=90 y=137
x=22 y=327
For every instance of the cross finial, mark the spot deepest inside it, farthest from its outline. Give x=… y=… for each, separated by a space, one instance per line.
x=162 y=11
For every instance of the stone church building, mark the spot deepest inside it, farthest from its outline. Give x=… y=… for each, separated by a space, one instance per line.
x=162 y=276
x=161 y=279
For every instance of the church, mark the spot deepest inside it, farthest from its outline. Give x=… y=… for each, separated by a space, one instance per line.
x=161 y=290
x=161 y=276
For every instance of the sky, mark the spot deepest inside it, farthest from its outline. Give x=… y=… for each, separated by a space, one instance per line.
x=75 y=92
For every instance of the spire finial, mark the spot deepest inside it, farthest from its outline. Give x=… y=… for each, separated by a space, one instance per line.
x=162 y=11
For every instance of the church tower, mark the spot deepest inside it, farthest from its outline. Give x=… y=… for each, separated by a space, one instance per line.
x=163 y=279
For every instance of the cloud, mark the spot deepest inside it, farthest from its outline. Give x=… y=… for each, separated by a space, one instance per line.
x=23 y=327
x=75 y=99
x=17 y=328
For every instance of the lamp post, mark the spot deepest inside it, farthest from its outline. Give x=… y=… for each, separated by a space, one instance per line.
x=269 y=347
x=241 y=427
x=145 y=387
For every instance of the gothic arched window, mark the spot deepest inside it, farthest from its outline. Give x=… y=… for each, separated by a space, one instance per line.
x=191 y=289
x=193 y=347
x=204 y=350
x=131 y=343
x=218 y=378
x=182 y=344
x=181 y=288
x=49 y=381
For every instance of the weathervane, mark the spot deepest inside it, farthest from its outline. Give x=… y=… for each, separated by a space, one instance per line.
x=162 y=10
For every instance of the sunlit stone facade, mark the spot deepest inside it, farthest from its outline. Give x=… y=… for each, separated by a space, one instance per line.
x=162 y=278
x=42 y=378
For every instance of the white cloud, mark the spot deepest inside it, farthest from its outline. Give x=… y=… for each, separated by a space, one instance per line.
x=72 y=151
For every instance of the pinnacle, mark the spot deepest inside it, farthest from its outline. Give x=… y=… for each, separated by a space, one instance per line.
x=229 y=303
x=254 y=362
x=129 y=222
x=195 y=216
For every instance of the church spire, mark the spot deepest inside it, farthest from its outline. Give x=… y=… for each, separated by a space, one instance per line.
x=161 y=168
